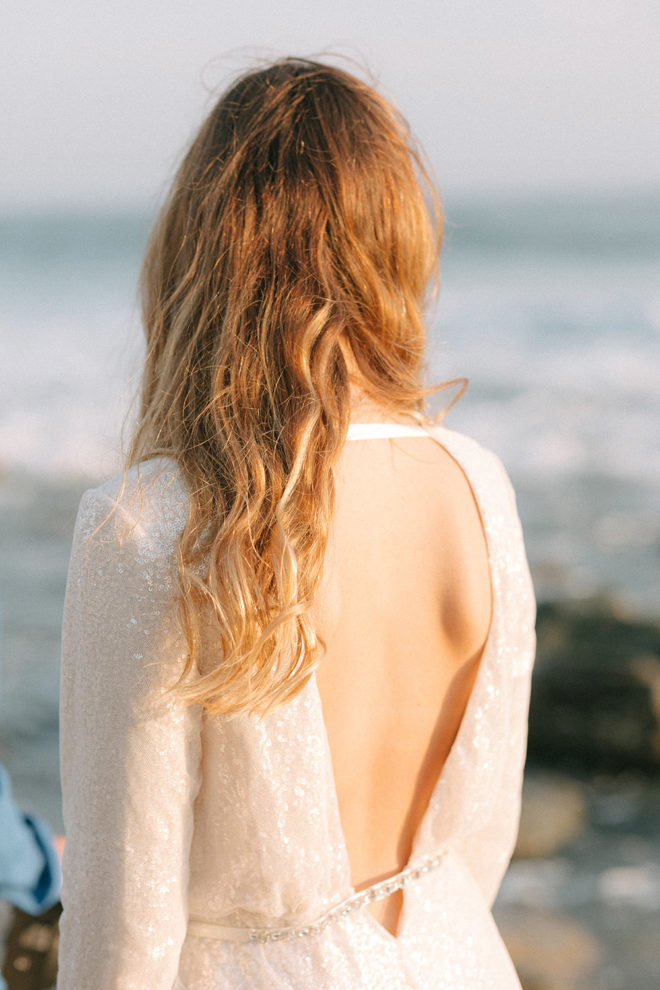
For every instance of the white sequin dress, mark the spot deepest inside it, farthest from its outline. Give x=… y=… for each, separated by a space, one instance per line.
x=207 y=853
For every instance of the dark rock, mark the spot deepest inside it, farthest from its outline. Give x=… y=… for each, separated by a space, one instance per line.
x=596 y=690
x=550 y=952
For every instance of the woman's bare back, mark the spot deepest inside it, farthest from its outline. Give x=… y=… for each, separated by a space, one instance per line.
x=404 y=609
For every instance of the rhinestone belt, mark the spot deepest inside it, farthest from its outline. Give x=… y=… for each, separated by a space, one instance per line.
x=376 y=892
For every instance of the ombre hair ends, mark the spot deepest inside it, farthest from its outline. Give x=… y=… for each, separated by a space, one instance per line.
x=290 y=262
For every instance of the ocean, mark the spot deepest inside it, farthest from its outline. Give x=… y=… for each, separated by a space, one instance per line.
x=550 y=306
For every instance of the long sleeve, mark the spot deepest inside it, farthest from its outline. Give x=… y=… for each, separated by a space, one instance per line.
x=491 y=850
x=487 y=851
x=130 y=756
x=522 y=638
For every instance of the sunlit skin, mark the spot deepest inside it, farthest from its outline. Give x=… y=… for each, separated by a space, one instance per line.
x=58 y=843
x=405 y=609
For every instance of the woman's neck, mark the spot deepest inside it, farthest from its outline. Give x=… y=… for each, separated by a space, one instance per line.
x=365 y=410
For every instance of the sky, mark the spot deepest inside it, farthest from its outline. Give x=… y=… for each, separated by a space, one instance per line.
x=99 y=99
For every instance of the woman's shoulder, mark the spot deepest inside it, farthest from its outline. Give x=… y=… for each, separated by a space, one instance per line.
x=481 y=465
x=147 y=504
x=156 y=477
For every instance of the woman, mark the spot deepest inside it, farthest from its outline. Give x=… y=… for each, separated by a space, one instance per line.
x=298 y=632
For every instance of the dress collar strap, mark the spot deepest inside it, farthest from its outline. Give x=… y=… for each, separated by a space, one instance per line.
x=373 y=431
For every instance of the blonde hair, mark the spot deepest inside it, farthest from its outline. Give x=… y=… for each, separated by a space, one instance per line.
x=296 y=244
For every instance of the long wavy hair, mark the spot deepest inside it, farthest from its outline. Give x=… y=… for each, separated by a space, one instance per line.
x=290 y=262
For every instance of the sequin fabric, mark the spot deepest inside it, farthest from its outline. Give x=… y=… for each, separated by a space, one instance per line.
x=233 y=821
x=374 y=892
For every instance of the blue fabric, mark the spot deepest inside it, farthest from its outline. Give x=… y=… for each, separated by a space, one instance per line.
x=29 y=867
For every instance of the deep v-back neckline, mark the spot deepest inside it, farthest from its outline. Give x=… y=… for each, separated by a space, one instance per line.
x=395 y=431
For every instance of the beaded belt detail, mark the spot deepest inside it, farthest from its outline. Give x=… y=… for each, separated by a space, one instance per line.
x=376 y=892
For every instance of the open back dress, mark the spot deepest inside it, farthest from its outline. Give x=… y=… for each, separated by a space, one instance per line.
x=207 y=853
